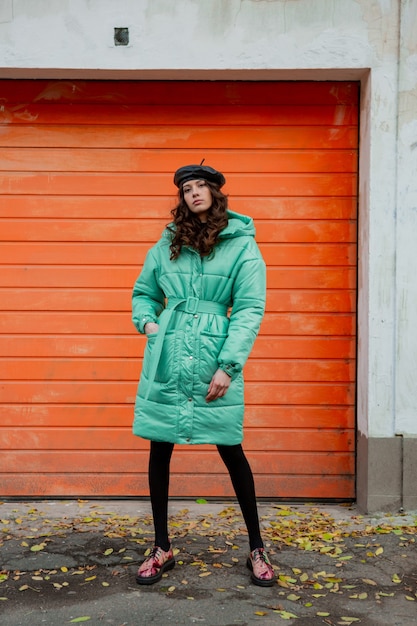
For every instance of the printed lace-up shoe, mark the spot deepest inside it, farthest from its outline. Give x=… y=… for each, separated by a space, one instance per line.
x=261 y=568
x=154 y=566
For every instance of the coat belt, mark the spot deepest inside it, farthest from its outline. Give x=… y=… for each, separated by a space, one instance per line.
x=189 y=305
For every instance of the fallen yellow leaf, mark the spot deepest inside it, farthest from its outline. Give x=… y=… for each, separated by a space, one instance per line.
x=38 y=548
x=385 y=595
x=292 y=597
x=286 y=614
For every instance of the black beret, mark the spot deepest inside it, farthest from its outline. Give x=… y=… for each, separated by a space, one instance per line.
x=198 y=172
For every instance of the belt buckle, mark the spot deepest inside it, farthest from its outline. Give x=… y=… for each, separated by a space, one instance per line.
x=191 y=305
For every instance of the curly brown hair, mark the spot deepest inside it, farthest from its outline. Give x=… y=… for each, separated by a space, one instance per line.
x=188 y=230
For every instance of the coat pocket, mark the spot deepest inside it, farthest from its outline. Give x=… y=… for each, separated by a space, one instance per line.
x=164 y=370
x=210 y=347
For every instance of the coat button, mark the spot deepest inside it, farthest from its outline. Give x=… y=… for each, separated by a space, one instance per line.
x=190 y=399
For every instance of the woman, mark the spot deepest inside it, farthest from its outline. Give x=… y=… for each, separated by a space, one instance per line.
x=199 y=299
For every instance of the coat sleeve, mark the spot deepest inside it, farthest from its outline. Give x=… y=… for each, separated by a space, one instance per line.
x=147 y=297
x=248 y=307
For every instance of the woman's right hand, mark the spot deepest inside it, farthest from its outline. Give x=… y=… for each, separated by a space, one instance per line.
x=151 y=327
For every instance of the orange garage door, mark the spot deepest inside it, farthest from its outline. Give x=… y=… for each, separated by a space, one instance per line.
x=86 y=171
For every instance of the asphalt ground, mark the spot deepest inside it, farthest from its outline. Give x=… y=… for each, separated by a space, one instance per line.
x=70 y=562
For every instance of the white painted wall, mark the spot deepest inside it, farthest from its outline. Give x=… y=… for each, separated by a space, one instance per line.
x=406 y=226
x=371 y=40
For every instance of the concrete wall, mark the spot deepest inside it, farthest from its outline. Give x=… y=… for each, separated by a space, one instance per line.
x=369 y=40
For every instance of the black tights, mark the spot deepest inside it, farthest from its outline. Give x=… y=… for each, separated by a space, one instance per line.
x=240 y=474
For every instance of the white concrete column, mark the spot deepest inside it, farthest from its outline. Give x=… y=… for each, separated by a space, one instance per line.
x=406 y=267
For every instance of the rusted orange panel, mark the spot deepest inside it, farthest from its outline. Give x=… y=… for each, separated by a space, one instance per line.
x=65 y=346
x=108 y=416
x=302 y=278
x=65 y=299
x=20 y=415
x=120 y=184
x=336 y=393
x=259 y=206
x=279 y=416
x=278 y=462
x=268 y=231
x=76 y=322
x=185 y=92
x=158 y=138
x=130 y=253
x=323 y=300
x=50 y=369
x=86 y=190
x=219 y=486
x=100 y=253
x=308 y=255
x=96 y=439
x=124 y=346
x=75 y=276
x=307 y=231
x=120 y=160
x=116 y=277
x=304 y=347
x=308 y=324
x=47 y=322
x=127 y=369
x=186 y=115
x=121 y=392
x=299 y=440
x=80 y=230
x=314 y=370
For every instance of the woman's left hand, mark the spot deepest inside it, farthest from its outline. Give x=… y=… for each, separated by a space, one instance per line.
x=219 y=385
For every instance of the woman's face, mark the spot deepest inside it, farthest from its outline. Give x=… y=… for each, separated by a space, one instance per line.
x=198 y=198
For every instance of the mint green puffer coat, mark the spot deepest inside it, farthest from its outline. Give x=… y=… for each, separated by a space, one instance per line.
x=209 y=310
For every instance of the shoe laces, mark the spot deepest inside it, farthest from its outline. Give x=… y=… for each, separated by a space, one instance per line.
x=259 y=554
x=157 y=554
x=262 y=564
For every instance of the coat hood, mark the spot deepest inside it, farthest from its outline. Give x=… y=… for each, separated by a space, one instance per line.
x=238 y=226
